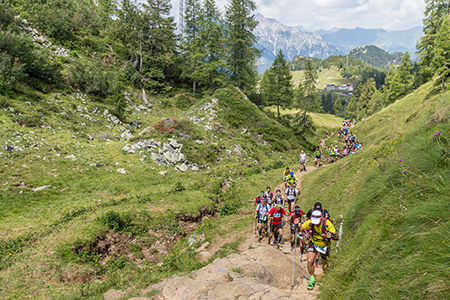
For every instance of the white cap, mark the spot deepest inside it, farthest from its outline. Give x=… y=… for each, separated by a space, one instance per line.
x=316 y=217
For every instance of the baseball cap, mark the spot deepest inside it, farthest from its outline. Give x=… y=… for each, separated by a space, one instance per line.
x=318 y=205
x=316 y=217
x=279 y=205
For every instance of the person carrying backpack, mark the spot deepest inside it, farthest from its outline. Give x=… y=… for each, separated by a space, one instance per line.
x=291 y=179
x=278 y=199
x=259 y=198
x=318 y=206
x=302 y=160
x=296 y=217
x=320 y=231
x=269 y=195
x=261 y=212
x=291 y=193
x=276 y=215
x=318 y=154
x=286 y=174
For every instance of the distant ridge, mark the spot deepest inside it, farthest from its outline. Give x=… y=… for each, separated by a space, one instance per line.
x=375 y=56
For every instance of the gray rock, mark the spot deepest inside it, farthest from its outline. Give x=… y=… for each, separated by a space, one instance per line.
x=72 y=157
x=174 y=157
x=174 y=144
x=7 y=148
x=18 y=148
x=158 y=158
x=182 y=167
x=195 y=168
x=80 y=108
x=121 y=171
x=146 y=130
x=126 y=135
x=115 y=120
x=41 y=188
x=163 y=173
x=167 y=148
x=136 y=124
x=128 y=149
x=106 y=112
x=99 y=165
x=113 y=294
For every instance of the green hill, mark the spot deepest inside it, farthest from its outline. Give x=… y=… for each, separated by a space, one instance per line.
x=375 y=56
x=392 y=196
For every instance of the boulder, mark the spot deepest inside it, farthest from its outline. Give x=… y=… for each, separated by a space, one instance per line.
x=195 y=168
x=113 y=294
x=41 y=188
x=72 y=157
x=146 y=131
x=174 y=144
x=136 y=124
x=128 y=149
x=163 y=173
x=182 y=167
x=158 y=158
x=126 y=135
x=174 y=157
x=121 y=171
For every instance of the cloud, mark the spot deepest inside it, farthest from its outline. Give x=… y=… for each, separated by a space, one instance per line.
x=313 y=15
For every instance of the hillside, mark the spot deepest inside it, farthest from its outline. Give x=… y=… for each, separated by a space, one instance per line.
x=375 y=56
x=392 y=198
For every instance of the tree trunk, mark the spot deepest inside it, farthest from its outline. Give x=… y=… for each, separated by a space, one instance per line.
x=193 y=86
x=212 y=80
x=144 y=98
x=278 y=107
x=140 y=52
x=443 y=83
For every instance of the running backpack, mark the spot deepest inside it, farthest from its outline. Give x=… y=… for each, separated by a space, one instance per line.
x=324 y=228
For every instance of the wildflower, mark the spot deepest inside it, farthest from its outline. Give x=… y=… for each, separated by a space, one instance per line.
x=389 y=175
x=439 y=132
x=399 y=160
x=401 y=197
x=435 y=134
x=404 y=172
x=403 y=189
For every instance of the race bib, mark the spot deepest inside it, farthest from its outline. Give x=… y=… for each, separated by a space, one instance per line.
x=276 y=215
x=322 y=250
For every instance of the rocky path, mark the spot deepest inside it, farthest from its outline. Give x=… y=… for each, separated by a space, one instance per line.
x=260 y=272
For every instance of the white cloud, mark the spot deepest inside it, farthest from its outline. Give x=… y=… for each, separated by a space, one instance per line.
x=316 y=14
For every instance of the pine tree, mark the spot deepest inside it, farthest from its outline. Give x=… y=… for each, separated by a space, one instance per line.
x=191 y=42
x=241 y=41
x=441 y=59
x=160 y=44
x=279 y=91
x=403 y=81
x=435 y=10
x=265 y=87
x=352 y=107
x=337 y=106
x=307 y=95
x=212 y=42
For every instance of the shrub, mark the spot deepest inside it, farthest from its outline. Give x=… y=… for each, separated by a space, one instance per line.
x=184 y=101
x=116 y=221
x=92 y=78
x=230 y=201
x=178 y=187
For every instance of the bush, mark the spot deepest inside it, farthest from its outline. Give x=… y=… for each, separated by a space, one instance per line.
x=230 y=202
x=92 y=78
x=178 y=187
x=184 y=101
x=116 y=221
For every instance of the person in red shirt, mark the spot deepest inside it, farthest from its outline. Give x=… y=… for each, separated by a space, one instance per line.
x=276 y=215
x=258 y=199
x=296 y=217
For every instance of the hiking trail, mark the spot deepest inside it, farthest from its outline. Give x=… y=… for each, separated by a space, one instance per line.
x=260 y=271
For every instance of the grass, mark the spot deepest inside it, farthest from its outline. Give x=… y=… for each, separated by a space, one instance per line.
x=332 y=75
x=392 y=197
x=39 y=230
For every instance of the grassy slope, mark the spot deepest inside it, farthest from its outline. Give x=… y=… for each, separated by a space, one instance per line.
x=396 y=230
x=38 y=230
x=332 y=75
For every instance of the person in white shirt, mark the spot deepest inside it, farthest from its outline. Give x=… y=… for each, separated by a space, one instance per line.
x=291 y=193
x=302 y=161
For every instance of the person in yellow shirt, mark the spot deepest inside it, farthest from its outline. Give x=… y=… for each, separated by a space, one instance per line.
x=285 y=175
x=320 y=231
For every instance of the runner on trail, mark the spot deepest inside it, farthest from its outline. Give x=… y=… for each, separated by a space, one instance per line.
x=332 y=154
x=296 y=218
x=302 y=160
x=259 y=198
x=318 y=154
x=278 y=199
x=320 y=231
x=318 y=206
x=286 y=174
x=291 y=178
x=269 y=195
x=261 y=212
x=276 y=215
x=291 y=192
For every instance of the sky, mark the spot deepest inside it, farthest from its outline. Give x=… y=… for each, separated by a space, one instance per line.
x=318 y=14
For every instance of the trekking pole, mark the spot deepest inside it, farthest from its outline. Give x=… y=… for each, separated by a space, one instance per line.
x=295 y=250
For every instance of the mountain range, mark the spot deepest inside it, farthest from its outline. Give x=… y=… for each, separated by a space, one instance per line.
x=295 y=40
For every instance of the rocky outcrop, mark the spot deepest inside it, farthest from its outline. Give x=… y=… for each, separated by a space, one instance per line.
x=253 y=274
x=164 y=154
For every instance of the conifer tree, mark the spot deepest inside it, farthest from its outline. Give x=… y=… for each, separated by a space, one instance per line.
x=403 y=81
x=337 y=106
x=279 y=90
x=191 y=45
x=212 y=42
x=265 y=87
x=307 y=95
x=435 y=10
x=160 y=45
x=241 y=41
x=352 y=107
x=441 y=59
